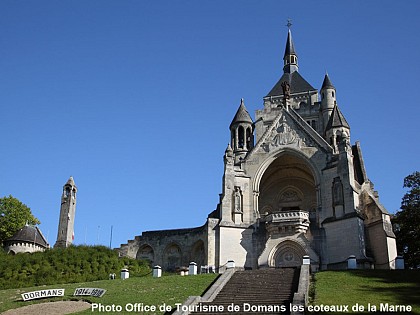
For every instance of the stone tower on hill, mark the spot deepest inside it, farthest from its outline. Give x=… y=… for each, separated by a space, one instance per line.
x=65 y=235
x=293 y=185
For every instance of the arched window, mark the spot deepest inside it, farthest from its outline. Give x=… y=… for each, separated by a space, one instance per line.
x=147 y=253
x=249 y=138
x=233 y=139
x=241 y=137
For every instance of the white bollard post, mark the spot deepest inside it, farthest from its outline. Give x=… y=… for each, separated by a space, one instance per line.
x=192 y=269
x=157 y=271
x=230 y=264
x=351 y=262
x=306 y=260
x=125 y=274
x=399 y=262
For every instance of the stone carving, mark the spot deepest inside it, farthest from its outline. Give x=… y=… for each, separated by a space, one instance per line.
x=286 y=89
x=289 y=256
x=237 y=200
x=338 y=198
x=285 y=134
x=289 y=196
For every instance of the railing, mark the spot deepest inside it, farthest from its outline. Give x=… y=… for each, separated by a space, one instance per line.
x=291 y=215
x=288 y=222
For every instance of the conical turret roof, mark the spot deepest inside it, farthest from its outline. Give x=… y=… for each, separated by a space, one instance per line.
x=337 y=119
x=70 y=181
x=242 y=115
x=327 y=84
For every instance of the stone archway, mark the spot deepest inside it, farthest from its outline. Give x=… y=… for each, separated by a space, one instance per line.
x=198 y=254
x=146 y=252
x=287 y=254
x=172 y=257
x=287 y=184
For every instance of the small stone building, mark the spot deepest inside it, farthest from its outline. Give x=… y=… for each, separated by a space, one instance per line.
x=293 y=185
x=28 y=239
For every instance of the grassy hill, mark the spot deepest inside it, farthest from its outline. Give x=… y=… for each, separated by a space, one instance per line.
x=168 y=290
x=362 y=287
x=395 y=287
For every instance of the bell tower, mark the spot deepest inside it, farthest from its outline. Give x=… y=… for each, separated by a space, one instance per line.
x=241 y=129
x=65 y=235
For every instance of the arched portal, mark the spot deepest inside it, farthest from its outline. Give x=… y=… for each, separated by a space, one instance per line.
x=146 y=252
x=198 y=254
x=287 y=254
x=287 y=184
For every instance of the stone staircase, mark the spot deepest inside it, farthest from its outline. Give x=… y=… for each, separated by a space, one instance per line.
x=255 y=292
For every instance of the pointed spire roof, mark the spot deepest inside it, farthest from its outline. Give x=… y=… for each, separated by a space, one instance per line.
x=327 y=84
x=70 y=181
x=290 y=47
x=337 y=119
x=241 y=115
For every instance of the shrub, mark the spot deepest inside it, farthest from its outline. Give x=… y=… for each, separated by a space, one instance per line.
x=64 y=265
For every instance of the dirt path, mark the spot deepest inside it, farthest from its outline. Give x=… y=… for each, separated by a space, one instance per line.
x=50 y=308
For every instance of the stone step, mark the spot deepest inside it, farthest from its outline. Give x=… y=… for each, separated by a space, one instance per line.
x=257 y=287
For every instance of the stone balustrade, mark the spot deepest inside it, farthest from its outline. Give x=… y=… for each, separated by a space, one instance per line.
x=287 y=222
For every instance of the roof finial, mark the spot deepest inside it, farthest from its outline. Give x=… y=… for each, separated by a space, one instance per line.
x=289 y=23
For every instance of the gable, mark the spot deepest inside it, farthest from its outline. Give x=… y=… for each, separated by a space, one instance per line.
x=289 y=129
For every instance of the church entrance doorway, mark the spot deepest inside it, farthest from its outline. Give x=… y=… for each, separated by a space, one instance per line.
x=288 y=254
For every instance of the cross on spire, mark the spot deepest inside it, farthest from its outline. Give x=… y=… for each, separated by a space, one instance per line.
x=289 y=23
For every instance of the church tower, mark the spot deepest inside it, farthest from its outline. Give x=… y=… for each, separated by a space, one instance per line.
x=65 y=233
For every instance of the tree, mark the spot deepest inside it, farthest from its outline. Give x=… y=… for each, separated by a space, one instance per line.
x=407 y=222
x=13 y=216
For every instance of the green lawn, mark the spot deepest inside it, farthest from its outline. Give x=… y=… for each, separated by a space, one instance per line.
x=169 y=289
x=396 y=287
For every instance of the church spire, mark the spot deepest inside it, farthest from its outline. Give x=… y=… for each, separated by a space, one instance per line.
x=290 y=55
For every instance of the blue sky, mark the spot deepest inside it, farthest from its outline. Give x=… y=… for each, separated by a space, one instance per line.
x=134 y=99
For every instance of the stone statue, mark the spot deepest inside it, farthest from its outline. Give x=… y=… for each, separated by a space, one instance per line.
x=237 y=200
x=286 y=89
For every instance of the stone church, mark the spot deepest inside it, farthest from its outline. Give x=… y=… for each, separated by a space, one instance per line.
x=293 y=185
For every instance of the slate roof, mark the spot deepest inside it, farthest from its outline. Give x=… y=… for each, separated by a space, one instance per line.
x=327 y=83
x=337 y=119
x=297 y=84
x=29 y=234
x=241 y=115
x=290 y=47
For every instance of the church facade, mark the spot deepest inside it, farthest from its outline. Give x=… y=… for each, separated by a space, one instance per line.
x=293 y=185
